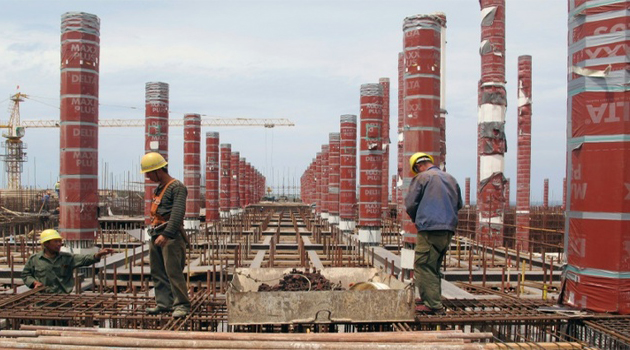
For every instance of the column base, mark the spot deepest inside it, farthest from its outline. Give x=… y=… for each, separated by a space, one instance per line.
x=407 y=258
x=347 y=225
x=192 y=224
x=370 y=235
x=79 y=247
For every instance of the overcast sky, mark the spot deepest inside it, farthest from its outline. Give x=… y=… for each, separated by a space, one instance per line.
x=295 y=59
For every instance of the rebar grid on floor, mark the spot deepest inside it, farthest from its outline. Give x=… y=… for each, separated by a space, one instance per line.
x=109 y=311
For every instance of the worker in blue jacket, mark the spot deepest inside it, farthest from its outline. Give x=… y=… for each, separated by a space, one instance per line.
x=432 y=203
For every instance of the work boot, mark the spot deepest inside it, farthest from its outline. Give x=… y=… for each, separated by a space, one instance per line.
x=179 y=313
x=156 y=310
x=427 y=310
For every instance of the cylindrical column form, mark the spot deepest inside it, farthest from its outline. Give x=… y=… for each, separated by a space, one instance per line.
x=192 y=169
x=384 y=82
x=248 y=183
x=235 y=199
x=371 y=154
x=325 y=181
x=226 y=180
x=212 y=176
x=506 y=193
x=443 y=112
x=348 y=172
x=491 y=124
x=564 y=193
x=523 y=151
x=78 y=173
x=242 y=183
x=597 y=221
x=393 y=190
x=421 y=128
x=467 y=193
x=318 y=183
x=155 y=133
x=333 y=177
x=546 y=193
x=399 y=141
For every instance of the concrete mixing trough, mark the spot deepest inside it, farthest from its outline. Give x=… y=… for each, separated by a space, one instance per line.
x=247 y=306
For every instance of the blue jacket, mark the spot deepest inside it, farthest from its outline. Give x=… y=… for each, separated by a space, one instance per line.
x=433 y=200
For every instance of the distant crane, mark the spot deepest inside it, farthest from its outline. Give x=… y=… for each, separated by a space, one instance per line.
x=15 y=156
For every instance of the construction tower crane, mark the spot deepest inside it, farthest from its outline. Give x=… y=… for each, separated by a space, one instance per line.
x=15 y=156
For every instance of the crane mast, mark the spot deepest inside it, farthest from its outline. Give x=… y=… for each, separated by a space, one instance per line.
x=14 y=155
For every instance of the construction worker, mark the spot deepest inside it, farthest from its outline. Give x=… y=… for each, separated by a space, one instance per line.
x=57 y=188
x=54 y=269
x=433 y=201
x=167 y=247
x=45 y=201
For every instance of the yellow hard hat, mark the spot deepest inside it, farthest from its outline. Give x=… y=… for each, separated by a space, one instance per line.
x=152 y=161
x=417 y=158
x=48 y=235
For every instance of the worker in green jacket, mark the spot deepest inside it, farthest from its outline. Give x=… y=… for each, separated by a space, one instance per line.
x=54 y=269
x=167 y=247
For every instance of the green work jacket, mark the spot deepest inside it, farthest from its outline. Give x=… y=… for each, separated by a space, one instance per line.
x=57 y=274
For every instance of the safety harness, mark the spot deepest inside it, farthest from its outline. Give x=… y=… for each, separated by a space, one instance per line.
x=157 y=219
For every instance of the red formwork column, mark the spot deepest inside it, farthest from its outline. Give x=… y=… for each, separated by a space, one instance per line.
x=546 y=193
x=333 y=177
x=421 y=129
x=235 y=199
x=564 y=194
x=155 y=133
x=399 y=141
x=249 y=198
x=384 y=82
x=347 y=172
x=255 y=181
x=523 y=151
x=192 y=169
x=318 y=183
x=491 y=123
x=306 y=185
x=393 y=191
x=597 y=226
x=467 y=193
x=212 y=176
x=371 y=153
x=443 y=112
x=78 y=173
x=263 y=185
x=325 y=181
x=506 y=193
x=242 y=181
x=226 y=180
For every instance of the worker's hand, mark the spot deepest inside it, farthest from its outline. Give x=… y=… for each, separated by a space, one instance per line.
x=161 y=241
x=103 y=252
x=37 y=284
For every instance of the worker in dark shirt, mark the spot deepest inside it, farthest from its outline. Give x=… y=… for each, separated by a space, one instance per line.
x=432 y=203
x=167 y=247
x=52 y=268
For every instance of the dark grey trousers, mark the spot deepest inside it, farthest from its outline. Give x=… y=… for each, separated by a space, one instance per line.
x=431 y=246
x=167 y=266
